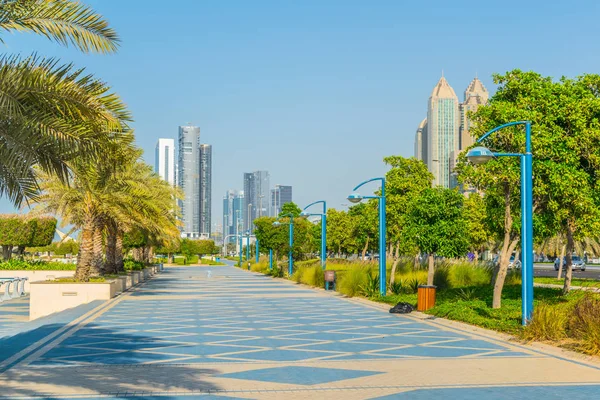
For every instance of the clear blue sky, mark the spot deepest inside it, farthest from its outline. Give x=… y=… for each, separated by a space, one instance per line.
x=317 y=92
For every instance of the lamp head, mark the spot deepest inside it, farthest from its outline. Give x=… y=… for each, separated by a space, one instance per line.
x=480 y=155
x=355 y=197
x=276 y=223
x=304 y=214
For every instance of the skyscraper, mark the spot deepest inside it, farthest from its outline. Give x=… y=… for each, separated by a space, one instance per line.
x=279 y=196
x=164 y=160
x=233 y=214
x=188 y=179
x=421 y=141
x=443 y=121
x=475 y=95
x=205 y=189
x=256 y=196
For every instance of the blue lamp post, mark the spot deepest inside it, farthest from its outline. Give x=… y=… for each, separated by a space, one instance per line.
x=248 y=245
x=257 y=251
x=241 y=251
x=357 y=198
x=291 y=223
x=481 y=155
x=323 y=229
x=270 y=259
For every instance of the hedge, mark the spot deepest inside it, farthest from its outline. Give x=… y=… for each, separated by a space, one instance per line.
x=16 y=265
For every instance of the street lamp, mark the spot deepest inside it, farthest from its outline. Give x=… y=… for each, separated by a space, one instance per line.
x=248 y=245
x=481 y=155
x=291 y=223
x=323 y=229
x=249 y=218
x=356 y=197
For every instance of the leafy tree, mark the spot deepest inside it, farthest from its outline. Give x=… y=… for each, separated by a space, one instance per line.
x=290 y=208
x=474 y=212
x=365 y=226
x=436 y=224
x=15 y=230
x=67 y=247
x=340 y=226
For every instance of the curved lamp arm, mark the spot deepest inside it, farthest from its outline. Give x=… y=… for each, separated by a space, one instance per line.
x=527 y=133
x=317 y=202
x=370 y=180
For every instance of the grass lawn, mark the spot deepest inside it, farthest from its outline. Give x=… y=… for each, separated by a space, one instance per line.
x=574 y=282
x=473 y=305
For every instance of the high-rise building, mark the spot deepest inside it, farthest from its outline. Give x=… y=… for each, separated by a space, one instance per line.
x=188 y=179
x=256 y=196
x=421 y=141
x=443 y=121
x=205 y=189
x=233 y=214
x=475 y=96
x=279 y=196
x=164 y=160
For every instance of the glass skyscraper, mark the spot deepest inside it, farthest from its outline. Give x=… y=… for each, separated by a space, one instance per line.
x=279 y=196
x=256 y=196
x=443 y=121
x=205 y=189
x=164 y=160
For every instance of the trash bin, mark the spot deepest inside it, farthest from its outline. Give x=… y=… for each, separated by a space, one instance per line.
x=425 y=297
x=329 y=277
x=218 y=259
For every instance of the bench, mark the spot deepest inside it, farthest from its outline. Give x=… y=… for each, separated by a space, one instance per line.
x=16 y=284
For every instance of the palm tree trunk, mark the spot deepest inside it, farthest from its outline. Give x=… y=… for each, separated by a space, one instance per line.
x=85 y=255
x=7 y=252
x=111 y=248
x=119 y=265
x=97 y=260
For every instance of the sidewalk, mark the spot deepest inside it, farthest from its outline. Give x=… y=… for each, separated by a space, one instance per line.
x=183 y=335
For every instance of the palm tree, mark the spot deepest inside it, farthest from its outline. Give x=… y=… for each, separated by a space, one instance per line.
x=52 y=113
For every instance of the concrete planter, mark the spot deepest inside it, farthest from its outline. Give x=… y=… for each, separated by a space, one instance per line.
x=146 y=273
x=135 y=277
x=128 y=281
x=49 y=297
x=121 y=284
x=35 y=276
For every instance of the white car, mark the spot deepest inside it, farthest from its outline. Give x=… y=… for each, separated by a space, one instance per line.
x=577 y=263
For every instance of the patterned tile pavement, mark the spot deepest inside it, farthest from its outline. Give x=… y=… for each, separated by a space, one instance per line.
x=234 y=334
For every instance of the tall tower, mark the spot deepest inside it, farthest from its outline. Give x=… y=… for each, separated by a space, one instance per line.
x=279 y=196
x=188 y=179
x=164 y=160
x=205 y=203
x=475 y=96
x=256 y=196
x=443 y=121
x=421 y=141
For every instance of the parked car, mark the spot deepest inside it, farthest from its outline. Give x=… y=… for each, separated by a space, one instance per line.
x=578 y=263
x=512 y=263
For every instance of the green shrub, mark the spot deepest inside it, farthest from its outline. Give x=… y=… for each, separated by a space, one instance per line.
x=16 y=264
x=132 y=265
x=351 y=282
x=313 y=276
x=469 y=274
x=371 y=286
x=262 y=267
x=548 y=323
x=297 y=275
x=396 y=286
x=441 y=277
x=513 y=277
x=208 y=261
x=584 y=324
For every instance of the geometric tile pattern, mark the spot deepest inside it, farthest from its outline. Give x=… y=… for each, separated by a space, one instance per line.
x=234 y=316
x=187 y=334
x=299 y=375
x=13 y=314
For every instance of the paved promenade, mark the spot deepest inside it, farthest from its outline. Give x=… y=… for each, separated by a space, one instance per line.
x=237 y=335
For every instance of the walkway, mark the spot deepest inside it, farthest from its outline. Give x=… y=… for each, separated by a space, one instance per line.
x=185 y=335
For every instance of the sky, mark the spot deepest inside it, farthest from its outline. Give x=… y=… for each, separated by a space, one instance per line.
x=316 y=92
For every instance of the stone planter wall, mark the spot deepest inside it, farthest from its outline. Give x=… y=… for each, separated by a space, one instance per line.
x=48 y=297
x=35 y=276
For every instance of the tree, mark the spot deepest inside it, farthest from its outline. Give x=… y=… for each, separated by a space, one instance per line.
x=407 y=179
x=290 y=208
x=565 y=144
x=340 y=227
x=52 y=113
x=25 y=231
x=437 y=225
x=365 y=229
x=474 y=212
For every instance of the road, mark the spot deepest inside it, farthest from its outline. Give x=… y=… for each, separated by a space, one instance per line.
x=547 y=270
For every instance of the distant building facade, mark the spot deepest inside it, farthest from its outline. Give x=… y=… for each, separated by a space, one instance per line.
x=280 y=195
x=205 y=202
x=421 y=141
x=443 y=121
x=475 y=96
x=189 y=179
x=233 y=214
x=164 y=160
x=256 y=196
